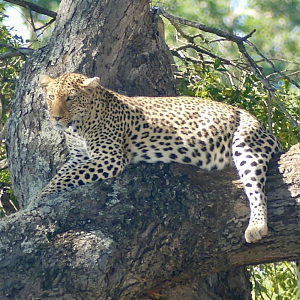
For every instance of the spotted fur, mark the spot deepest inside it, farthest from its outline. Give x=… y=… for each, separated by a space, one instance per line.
x=105 y=131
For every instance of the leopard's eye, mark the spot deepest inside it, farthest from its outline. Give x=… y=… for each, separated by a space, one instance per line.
x=70 y=98
x=71 y=95
x=51 y=97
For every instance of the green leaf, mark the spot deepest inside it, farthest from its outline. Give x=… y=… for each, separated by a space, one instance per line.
x=217 y=63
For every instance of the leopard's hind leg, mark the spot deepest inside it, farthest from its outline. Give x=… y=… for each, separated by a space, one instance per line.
x=252 y=149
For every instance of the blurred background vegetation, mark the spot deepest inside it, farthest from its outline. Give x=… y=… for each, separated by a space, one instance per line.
x=205 y=65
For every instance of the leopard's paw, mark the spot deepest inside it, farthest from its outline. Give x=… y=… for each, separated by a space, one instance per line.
x=255 y=232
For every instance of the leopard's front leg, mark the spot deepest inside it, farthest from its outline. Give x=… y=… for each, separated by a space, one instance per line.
x=87 y=170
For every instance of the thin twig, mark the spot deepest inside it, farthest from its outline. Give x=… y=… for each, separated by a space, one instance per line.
x=203 y=51
x=190 y=39
x=226 y=35
x=46 y=25
x=31 y=18
x=269 y=109
x=185 y=58
x=293 y=73
x=272 y=65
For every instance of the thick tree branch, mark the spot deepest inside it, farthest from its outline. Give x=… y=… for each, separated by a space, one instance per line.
x=37 y=8
x=23 y=52
x=194 y=227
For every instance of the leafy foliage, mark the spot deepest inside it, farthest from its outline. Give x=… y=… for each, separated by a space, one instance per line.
x=209 y=82
x=274 y=281
x=9 y=72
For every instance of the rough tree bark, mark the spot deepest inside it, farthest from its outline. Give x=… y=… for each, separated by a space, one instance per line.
x=155 y=231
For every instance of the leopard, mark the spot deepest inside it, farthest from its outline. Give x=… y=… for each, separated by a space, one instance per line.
x=105 y=131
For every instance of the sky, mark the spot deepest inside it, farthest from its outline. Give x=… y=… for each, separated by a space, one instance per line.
x=16 y=22
x=238 y=4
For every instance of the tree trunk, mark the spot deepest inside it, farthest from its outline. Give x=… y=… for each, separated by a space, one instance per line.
x=156 y=230
x=115 y=40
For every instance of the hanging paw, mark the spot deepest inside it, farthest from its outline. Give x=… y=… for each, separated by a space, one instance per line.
x=255 y=232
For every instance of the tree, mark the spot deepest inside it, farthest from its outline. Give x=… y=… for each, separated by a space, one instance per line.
x=148 y=233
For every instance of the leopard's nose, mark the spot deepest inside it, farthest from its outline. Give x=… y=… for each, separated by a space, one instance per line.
x=57 y=118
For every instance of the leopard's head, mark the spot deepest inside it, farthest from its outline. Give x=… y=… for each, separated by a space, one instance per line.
x=69 y=97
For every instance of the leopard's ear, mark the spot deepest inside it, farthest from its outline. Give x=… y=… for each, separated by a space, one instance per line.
x=91 y=83
x=45 y=80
